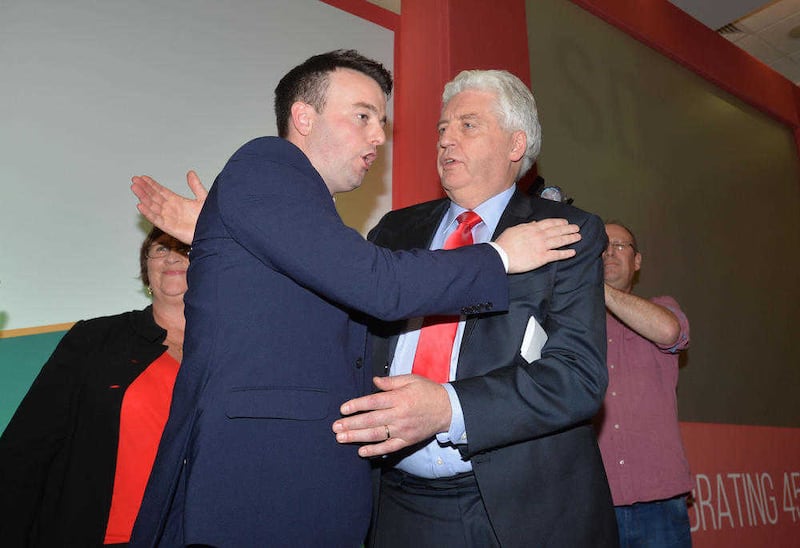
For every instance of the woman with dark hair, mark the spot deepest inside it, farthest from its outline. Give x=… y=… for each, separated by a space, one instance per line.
x=75 y=458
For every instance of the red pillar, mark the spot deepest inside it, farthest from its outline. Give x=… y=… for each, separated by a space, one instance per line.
x=436 y=40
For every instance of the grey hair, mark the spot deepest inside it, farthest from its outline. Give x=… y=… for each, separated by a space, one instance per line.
x=516 y=107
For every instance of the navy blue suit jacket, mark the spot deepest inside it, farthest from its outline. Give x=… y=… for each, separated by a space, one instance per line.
x=533 y=451
x=248 y=457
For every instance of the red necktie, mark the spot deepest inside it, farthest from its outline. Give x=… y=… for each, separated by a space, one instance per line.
x=438 y=333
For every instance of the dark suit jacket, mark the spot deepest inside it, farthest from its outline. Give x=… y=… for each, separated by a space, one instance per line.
x=248 y=457
x=58 y=453
x=533 y=451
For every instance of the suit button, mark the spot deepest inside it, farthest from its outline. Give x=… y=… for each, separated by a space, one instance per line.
x=359 y=363
x=386 y=368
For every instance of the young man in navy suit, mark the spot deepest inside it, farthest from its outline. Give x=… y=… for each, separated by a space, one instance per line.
x=271 y=351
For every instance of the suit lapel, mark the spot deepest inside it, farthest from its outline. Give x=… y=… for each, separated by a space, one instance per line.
x=419 y=235
x=519 y=210
x=423 y=228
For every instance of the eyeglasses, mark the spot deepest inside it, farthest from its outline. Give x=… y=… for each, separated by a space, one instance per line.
x=159 y=251
x=619 y=247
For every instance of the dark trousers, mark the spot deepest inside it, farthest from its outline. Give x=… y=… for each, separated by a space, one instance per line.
x=417 y=513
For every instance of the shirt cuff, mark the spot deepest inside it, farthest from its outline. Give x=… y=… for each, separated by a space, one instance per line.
x=502 y=253
x=458 y=430
x=683 y=337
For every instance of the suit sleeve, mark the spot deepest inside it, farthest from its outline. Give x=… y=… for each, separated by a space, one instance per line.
x=36 y=433
x=567 y=384
x=282 y=216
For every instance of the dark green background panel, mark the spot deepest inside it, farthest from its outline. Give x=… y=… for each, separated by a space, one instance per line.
x=709 y=184
x=22 y=358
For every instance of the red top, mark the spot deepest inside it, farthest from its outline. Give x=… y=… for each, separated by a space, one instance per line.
x=145 y=408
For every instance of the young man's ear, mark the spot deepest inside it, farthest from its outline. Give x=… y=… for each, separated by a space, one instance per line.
x=303 y=116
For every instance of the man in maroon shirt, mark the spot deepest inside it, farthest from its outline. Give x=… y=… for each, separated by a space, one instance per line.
x=638 y=424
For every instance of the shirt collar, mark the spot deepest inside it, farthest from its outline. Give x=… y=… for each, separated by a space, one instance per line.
x=490 y=212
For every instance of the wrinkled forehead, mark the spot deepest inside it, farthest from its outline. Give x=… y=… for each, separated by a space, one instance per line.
x=471 y=102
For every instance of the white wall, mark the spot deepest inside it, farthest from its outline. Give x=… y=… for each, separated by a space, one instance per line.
x=93 y=92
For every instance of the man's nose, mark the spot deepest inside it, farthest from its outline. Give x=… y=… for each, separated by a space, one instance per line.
x=446 y=138
x=379 y=136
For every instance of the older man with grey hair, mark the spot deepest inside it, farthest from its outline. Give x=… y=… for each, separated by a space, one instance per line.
x=482 y=422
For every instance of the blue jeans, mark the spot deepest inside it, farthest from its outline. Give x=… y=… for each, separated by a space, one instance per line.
x=657 y=524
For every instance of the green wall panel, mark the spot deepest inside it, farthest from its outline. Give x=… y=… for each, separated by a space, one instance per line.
x=22 y=358
x=710 y=185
